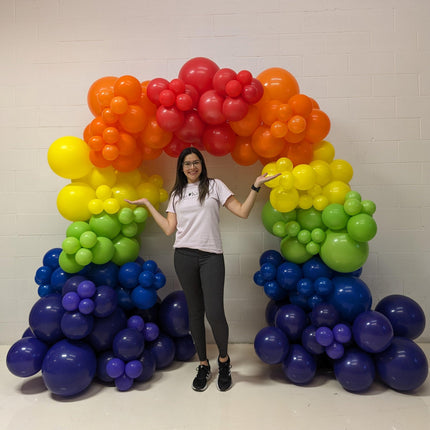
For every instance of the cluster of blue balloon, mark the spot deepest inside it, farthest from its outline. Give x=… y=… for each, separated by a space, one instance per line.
x=317 y=317
x=90 y=324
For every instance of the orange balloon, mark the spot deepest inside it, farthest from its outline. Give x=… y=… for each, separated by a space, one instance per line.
x=242 y=152
x=150 y=153
x=264 y=144
x=295 y=137
x=144 y=102
x=119 y=105
x=96 y=143
x=247 y=125
x=128 y=87
x=96 y=157
x=279 y=129
x=126 y=144
x=108 y=116
x=301 y=104
x=97 y=126
x=285 y=112
x=95 y=89
x=87 y=132
x=318 y=126
x=110 y=135
x=278 y=84
x=269 y=111
x=110 y=152
x=297 y=124
x=300 y=153
x=127 y=163
x=153 y=136
x=134 y=120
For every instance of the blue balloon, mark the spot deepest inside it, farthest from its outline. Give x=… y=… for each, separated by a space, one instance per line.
x=150 y=266
x=146 y=278
x=405 y=314
x=292 y=320
x=58 y=279
x=43 y=275
x=76 y=325
x=268 y=271
x=173 y=314
x=288 y=274
x=350 y=296
x=316 y=268
x=105 y=301
x=335 y=350
x=271 y=308
x=372 y=331
x=342 y=333
x=102 y=361
x=128 y=344
x=144 y=298
x=184 y=348
x=124 y=383
x=271 y=345
x=324 y=314
x=355 y=370
x=124 y=299
x=45 y=318
x=45 y=290
x=403 y=365
x=305 y=287
x=128 y=274
x=148 y=366
x=159 y=280
x=323 y=286
x=51 y=257
x=28 y=333
x=105 y=329
x=271 y=256
x=25 y=356
x=71 y=285
x=258 y=278
x=309 y=341
x=274 y=291
x=163 y=351
x=104 y=274
x=150 y=331
x=299 y=366
x=69 y=367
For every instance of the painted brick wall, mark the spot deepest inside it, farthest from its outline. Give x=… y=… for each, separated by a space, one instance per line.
x=367 y=64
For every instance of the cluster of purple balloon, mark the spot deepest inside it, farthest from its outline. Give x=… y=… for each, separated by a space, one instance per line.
x=360 y=344
x=86 y=321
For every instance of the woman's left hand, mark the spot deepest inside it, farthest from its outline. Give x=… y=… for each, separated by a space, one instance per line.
x=264 y=178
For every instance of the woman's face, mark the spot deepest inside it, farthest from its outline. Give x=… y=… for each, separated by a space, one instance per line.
x=192 y=168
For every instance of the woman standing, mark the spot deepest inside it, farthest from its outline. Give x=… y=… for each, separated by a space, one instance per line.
x=193 y=212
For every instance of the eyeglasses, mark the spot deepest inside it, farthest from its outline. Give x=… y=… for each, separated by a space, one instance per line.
x=189 y=164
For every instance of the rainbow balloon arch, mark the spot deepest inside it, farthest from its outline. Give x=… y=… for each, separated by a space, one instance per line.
x=99 y=314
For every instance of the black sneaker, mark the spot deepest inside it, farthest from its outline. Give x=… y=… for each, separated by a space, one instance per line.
x=200 y=382
x=224 y=376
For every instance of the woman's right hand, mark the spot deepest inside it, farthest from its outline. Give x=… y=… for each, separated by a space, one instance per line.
x=142 y=201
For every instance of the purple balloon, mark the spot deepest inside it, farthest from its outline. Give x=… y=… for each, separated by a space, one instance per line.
x=309 y=341
x=271 y=345
x=133 y=369
x=25 y=356
x=86 y=306
x=184 y=348
x=136 y=322
x=292 y=320
x=324 y=336
x=76 y=325
x=105 y=301
x=115 y=367
x=148 y=366
x=86 y=289
x=173 y=314
x=299 y=366
x=123 y=383
x=102 y=361
x=71 y=301
x=128 y=344
x=342 y=333
x=163 y=350
x=151 y=331
x=324 y=314
x=335 y=350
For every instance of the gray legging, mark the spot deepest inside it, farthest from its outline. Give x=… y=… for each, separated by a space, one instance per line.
x=201 y=275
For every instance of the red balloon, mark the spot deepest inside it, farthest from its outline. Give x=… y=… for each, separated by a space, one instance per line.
x=167 y=98
x=184 y=102
x=192 y=129
x=244 y=77
x=170 y=118
x=219 y=140
x=233 y=88
x=210 y=108
x=234 y=109
x=193 y=93
x=199 y=72
x=221 y=78
x=154 y=89
x=175 y=147
x=177 y=86
x=253 y=92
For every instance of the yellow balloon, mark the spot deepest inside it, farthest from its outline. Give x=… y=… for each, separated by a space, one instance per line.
x=286 y=180
x=95 y=206
x=284 y=164
x=305 y=201
x=133 y=178
x=335 y=191
x=111 y=206
x=73 y=200
x=68 y=157
x=270 y=169
x=123 y=191
x=320 y=202
x=341 y=170
x=103 y=192
x=284 y=200
x=157 y=180
x=149 y=191
x=164 y=195
x=315 y=190
x=304 y=177
x=322 y=171
x=323 y=151
x=104 y=176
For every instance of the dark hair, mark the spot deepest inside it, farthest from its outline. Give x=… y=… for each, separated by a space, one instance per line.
x=182 y=181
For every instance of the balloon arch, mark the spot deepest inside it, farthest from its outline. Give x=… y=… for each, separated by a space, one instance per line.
x=99 y=314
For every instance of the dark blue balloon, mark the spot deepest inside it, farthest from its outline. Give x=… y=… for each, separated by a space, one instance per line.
x=372 y=331
x=350 y=296
x=148 y=366
x=173 y=314
x=259 y=279
x=28 y=333
x=299 y=366
x=324 y=314
x=144 y=298
x=159 y=280
x=292 y=320
x=288 y=274
x=271 y=256
x=305 y=287
x=309 y=341
x=403 y=366
x=105 y=301
x=58 y=279
x=355 y=370
x=163 y=351
x=405 y=314
x=128 y=274
x=25 y=356
x=102 y=361
x=76 y=325
x=268 y=271
x=105 y=329
x=271 y=308
x=128 y=344
x=150 y=265
x=51 y=257
x=316 y=268
x=103 y=274
x=69 y=367
x=151 y=314
x=71 y=285
x=124 y=299
x=43 y=275
x=274 y=291
x=271 y=345
x=45 y=318
x=184 y=348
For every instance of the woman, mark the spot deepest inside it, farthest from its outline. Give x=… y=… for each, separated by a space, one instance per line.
x=193 y=212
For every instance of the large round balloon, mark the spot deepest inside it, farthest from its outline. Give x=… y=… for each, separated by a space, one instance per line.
x=163 y=351
x=128 y=344
x=405 y=314
x=69 y=367
x=173 y=314
x=403 y=366
x=292 y=320
x=199 y=73
x=278 y=84
x=271 y=345
x=184 y=348
x=299 y=366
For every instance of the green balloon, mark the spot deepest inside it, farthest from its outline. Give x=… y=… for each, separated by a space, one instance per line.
x=70 y=245
x=362 y=227
x=313 y=248
x=309 y=218
x=304 y=236
x=125 y=216
x=342 y=253
x=77 y=228
x=68 y=263
x=140 y=214
x=105 y=225
x=334 y=217
x=279 y=229
x=294 y=251
x=84 y=257
x=126 y=250
x=353 y=195
x=318 y=235
x=368 y=207
x=103 y=250
x=293 y=228
x=270 y=216
x=352 y=206
x=88 y=239
x=130 y=230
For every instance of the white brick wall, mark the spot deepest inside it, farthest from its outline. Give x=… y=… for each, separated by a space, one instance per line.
x=367 y=64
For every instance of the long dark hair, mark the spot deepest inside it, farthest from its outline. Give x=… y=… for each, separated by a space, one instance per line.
x=182 y=181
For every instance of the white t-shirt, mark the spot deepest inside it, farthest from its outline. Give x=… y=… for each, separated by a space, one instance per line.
x=198 y=224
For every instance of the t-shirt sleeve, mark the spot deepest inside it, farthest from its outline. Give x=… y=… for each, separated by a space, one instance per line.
x=223 y=191
x=171 y=205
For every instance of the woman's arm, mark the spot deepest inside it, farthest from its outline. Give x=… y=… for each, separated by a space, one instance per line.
x=167 y=224
x=243 y=210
